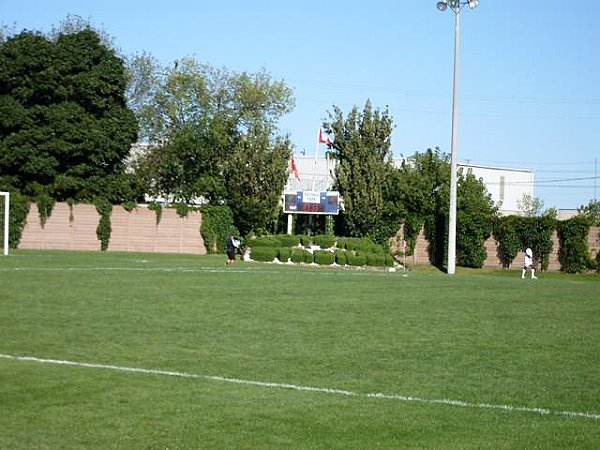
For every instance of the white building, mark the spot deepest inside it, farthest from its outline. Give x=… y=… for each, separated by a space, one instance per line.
x=505 y=185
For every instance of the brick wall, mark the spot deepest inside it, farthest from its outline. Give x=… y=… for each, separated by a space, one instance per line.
x=136 y=231
x=492 y=260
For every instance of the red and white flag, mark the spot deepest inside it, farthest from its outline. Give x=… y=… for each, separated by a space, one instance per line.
x=294 y=168
x=324 y=139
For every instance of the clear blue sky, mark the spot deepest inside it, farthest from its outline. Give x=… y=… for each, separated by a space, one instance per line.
x=529 y=84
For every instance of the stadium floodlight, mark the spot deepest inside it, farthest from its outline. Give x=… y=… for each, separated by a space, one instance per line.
x=5 y=222
x=456 y=6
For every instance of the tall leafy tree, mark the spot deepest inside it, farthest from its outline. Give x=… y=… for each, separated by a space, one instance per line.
x=214 y=135
x=64 y=125
x=361 y=146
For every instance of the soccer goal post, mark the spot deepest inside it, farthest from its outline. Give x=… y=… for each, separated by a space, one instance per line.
x=4 y=219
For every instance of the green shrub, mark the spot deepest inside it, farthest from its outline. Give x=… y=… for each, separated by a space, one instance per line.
x=284 y=253
x=389 y=260
x=356 y=259
x=301 y=255
x=263 y=253
x=340 y=257
x=366 y=245
x=374 y=259
x=324 y=240
x=265 y=241
x=323 y=257
x=352 y=244
x=288 y=240
x=306 y=240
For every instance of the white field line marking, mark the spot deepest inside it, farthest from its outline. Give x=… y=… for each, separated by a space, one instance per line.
x=377 y=395
x=354 y=272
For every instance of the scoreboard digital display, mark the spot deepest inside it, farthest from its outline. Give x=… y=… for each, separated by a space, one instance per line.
x=311 y=202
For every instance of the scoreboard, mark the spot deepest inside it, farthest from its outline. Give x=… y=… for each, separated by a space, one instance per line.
x=311 y=202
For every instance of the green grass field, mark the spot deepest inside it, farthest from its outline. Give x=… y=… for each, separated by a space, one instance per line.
x=181 y=352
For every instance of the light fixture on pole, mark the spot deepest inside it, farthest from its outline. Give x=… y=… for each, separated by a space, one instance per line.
x=456 y=6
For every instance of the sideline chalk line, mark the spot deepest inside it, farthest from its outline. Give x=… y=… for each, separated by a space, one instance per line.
x=377 y=395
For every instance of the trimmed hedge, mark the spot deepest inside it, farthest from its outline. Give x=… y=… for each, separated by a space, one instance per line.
x=286 y=248
x=356 y=259
x=300 y=255
x=323 y=257
x=340 y=257
x=284 y=253
x=288 y=240
x=265 y=241
x=324 y=240
x=263 y=253
x=375 y=260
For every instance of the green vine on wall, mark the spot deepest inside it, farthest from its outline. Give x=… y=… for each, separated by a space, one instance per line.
x=411 y=229
x=19 y=209
x=509 y=242
x=574 y=253
x=157 y=208
x=182 y=209
x=217 y=224
x=71 y=202
x=45 y=204
x=515 y=233
x=104 y=229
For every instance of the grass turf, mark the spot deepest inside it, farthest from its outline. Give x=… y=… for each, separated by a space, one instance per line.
x=480 y=337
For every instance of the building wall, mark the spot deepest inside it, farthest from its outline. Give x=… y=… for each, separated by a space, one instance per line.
x=135 y=231
x=506 y=186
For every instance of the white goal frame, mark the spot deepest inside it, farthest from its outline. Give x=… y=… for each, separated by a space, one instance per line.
x=6 y=196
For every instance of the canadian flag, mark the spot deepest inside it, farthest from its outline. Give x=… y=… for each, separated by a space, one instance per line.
x=325 y=140
x=294 y=168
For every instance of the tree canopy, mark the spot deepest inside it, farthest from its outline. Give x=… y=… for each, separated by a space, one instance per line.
x=364 y=173
x=214 y=136
x=65 y=128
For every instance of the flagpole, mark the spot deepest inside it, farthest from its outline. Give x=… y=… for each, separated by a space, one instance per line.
x=316 y=156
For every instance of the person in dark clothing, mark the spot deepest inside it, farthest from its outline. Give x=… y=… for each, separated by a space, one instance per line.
x=231 y=247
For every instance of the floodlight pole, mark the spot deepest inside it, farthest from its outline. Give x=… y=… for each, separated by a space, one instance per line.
x=456 y=6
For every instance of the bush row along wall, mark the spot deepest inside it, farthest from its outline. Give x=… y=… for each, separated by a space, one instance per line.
x=132 y=231
x=137 y=231
x=421 y=255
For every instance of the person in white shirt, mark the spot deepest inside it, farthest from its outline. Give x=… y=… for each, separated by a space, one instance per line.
x=528 y=264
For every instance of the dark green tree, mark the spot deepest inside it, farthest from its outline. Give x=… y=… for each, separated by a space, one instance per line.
x=64 y=126
x=361 y=146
